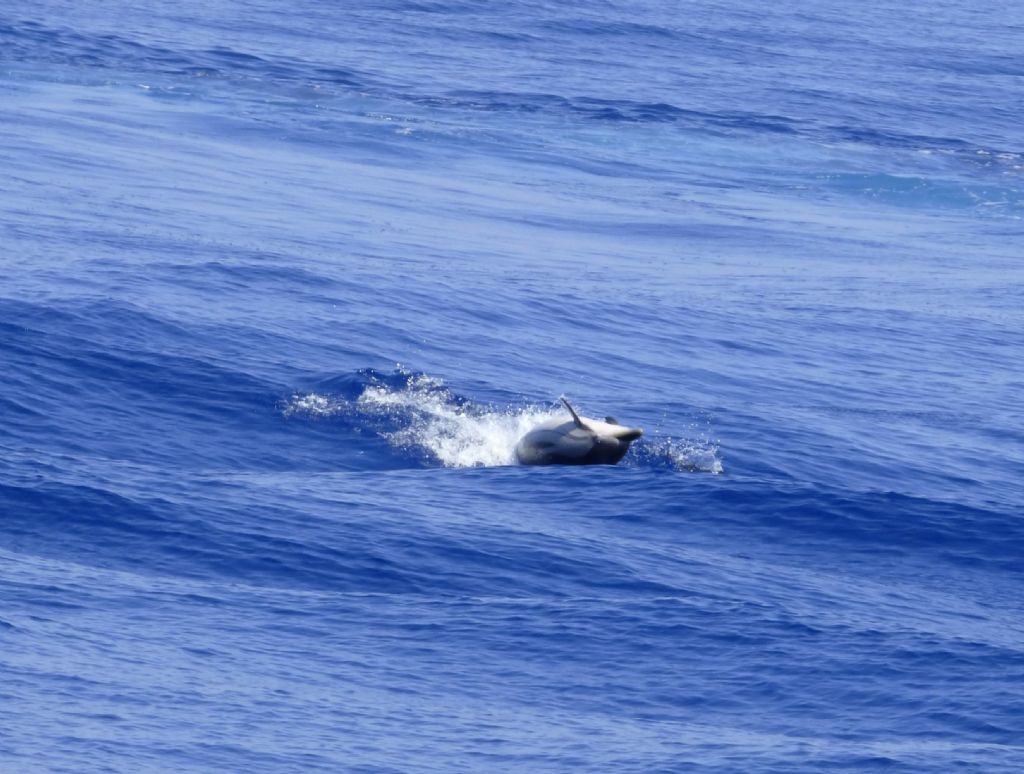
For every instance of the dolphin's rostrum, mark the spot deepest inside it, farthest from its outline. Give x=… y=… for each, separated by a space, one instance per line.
x=577 y=441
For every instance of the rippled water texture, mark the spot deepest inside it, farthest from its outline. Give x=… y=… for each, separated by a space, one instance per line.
x=281 y=286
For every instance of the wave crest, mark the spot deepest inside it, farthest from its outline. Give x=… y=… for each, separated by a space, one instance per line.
x=418 y=415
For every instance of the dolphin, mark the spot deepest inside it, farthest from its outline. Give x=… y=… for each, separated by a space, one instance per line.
x=579 y=441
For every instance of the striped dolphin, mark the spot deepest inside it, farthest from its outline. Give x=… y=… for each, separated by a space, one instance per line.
x=578 y=441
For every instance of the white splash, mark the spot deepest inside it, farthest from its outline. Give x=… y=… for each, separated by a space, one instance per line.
x=459 y=436
x=686 y=455
x=314 y=405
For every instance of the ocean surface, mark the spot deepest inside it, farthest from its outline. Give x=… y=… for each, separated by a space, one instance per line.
x=281 y=285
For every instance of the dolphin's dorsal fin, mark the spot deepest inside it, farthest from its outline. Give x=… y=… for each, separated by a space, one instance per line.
x=575 y=416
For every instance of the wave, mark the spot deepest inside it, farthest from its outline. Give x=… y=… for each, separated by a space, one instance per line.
x=420 y=417
x=316 y=99
x=324 y=79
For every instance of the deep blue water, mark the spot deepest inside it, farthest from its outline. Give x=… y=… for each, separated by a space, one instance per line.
x=281 y=284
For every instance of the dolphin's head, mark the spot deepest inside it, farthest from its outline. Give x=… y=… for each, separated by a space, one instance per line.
x=629 y=434
x=611 y=429
x=611 y=441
